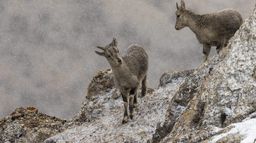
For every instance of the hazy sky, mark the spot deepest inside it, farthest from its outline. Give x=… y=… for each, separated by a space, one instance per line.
x=47 y=46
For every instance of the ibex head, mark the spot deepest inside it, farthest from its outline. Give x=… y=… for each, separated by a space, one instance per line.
x=111 y=53
x=181 y=16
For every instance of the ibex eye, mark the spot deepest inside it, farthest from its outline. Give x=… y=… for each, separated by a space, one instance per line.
x=178 y=16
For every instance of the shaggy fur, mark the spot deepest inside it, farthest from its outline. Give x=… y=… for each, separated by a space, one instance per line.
x=213 y=29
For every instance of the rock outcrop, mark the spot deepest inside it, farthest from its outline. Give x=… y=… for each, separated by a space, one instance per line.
x=27 y=125
x=102 y=82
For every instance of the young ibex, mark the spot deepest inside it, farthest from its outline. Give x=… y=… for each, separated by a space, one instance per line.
x=211 y=29
x=130 y=71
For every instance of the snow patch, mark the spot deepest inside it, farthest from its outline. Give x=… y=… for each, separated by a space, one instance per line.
x=246 y=128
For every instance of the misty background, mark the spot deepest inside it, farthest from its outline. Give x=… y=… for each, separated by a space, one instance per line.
x=47 y=47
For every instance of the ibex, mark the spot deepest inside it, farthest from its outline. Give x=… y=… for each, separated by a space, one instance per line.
x=213 y=29
x=130 y=71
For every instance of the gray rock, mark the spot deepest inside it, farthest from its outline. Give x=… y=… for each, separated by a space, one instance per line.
x=28 y=125
x=170 y=77
x=102 y=82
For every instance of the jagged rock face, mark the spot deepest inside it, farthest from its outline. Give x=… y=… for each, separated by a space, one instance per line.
x=28 y=126
x=228 y=93
x=185 y=92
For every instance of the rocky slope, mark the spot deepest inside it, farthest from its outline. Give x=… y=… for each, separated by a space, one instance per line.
x=214 y=103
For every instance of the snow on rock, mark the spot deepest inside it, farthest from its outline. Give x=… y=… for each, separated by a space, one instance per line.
x=244 y=131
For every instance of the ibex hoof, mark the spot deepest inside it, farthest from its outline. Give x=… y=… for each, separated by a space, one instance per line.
x=125 y=120
x=131 y=117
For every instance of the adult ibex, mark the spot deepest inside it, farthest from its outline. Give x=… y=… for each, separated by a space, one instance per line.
x=130 y=71
x=213 y=29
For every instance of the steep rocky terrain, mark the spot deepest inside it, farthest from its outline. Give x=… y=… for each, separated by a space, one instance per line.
x=27 y=125
x=215 y=102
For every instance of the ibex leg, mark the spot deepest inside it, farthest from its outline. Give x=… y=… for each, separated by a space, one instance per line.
x=126 y=104
x=206 y=51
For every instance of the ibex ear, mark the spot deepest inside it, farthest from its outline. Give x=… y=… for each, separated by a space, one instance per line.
x=183 y=5
x=177 y=5
x=114 y=42
x=100 y=53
